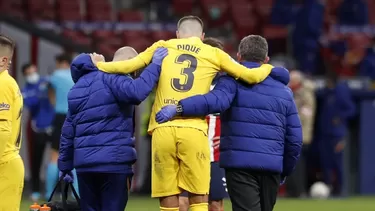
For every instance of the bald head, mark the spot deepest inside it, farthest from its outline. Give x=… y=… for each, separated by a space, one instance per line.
x=296 y=78
x=190 y=26
x=124 y=53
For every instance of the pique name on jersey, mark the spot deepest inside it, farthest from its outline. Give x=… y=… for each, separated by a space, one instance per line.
x=4 y=106
x=190 y=48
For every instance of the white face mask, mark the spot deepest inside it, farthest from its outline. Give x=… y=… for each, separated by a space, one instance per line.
x=33 y=78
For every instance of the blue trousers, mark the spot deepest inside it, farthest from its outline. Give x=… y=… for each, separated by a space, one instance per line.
x=103 y=191
x=331 y=162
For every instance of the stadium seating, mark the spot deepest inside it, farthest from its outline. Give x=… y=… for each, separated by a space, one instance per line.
x=68 y=10
x=246 y=17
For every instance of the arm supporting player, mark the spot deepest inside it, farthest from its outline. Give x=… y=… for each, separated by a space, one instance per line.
x=293 y=140
x=238 y=71
x=216 y=101
x=66 y=151
x=131 y=65
x=135 y=91
x=6 y=99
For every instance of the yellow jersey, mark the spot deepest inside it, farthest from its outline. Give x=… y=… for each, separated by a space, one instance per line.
x=11 y=105
x=188 y=70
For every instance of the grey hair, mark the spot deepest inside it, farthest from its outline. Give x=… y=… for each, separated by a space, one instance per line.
x=253 y=48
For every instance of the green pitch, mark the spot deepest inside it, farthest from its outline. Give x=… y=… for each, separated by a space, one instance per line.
x=349 y=204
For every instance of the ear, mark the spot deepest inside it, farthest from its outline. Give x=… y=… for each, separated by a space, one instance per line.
x=239 y=58
x=202 y=37
x=266 y=60
x=4 y=63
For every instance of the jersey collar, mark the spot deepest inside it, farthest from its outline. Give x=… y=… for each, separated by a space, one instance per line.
x=4 y=72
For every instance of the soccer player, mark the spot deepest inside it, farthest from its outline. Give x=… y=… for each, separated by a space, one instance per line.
x=217 y=185
x=98 y=134
x=261 y=135
x=180 y=153
x=12 y=170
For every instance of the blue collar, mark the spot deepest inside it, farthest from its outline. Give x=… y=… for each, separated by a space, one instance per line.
x=250 y=64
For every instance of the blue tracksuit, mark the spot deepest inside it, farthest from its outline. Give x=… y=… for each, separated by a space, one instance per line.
x=337 y=106
x=97 y=136
x=36 y=100
x=261 y=129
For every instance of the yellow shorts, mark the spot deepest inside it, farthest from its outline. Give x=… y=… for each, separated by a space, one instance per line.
x=12 y=175
x=180 y=161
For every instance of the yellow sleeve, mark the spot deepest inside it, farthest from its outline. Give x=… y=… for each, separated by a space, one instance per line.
x=6 y=100
x=236 y=70
x=131 y=65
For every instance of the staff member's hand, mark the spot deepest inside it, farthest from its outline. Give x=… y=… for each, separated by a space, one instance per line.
x=166 y=113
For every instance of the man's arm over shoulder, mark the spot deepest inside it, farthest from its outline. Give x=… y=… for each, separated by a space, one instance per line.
x=66 y=151
x=6 y=101
x=135 y=91
x=216 y=101
x=238 y=71
x=293 y=140
x=131 y=65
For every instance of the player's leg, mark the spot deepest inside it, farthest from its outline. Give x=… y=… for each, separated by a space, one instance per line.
x=184 y=201
x=114 y=192
x=89 y=187
x=165 y=168
x=218 y=189
x=194 y=175
x=52 y=171
x=12 y=176
x=39 y=144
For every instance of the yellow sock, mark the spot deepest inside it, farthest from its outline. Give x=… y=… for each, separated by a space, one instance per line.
x=169 y=209
x=199 y=207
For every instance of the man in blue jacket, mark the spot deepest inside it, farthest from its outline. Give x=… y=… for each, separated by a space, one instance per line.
x=261 y=136
x=97 y=136
x=42 y=113
x=337 y=107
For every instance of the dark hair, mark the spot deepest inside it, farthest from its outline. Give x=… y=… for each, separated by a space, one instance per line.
x=6 y=42
x=190 y=17
x=26 y=66
x=216 y=43
x=64 y=58
x=253 y=48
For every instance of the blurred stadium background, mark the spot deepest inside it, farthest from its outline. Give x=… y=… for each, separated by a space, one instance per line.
x=314 y=36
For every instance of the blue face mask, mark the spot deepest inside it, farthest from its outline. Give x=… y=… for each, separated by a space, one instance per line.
x=215 y=13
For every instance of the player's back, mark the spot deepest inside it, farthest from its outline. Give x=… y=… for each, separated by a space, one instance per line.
x=11 y=106
x=188 y=70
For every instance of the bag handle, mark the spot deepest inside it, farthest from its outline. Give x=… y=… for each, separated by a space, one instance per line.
x=54 y=189
x=65 y=195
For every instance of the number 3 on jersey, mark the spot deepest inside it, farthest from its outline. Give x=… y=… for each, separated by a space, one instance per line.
x=180 y=85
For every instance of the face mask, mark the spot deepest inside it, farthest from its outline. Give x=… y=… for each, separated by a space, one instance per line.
x=32 y=78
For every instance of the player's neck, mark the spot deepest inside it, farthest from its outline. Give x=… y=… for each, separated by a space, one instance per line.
x=1 y=71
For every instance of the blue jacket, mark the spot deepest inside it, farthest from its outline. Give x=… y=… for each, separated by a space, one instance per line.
x=35 y=98
x=97 y=135
x=260 y=126
x=336 y=107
